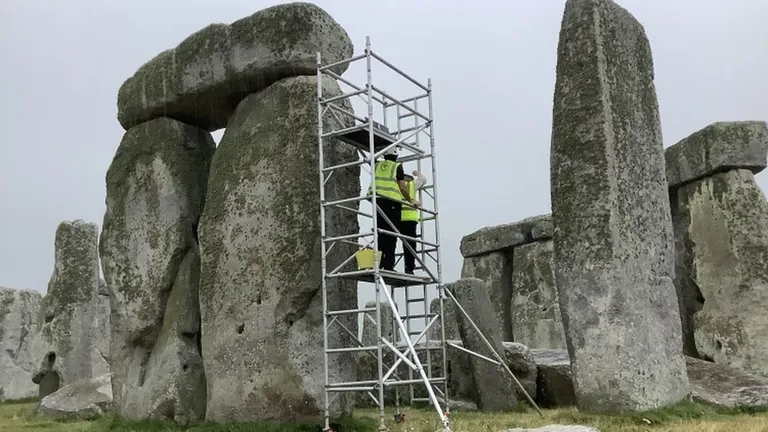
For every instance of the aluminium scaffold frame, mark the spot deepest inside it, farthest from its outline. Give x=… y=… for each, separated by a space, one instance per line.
x=372 y=139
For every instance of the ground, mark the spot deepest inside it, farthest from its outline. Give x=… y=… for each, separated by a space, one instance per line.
x=689 y=417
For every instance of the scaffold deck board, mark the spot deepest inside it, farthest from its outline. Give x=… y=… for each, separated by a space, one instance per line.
x=392 y=278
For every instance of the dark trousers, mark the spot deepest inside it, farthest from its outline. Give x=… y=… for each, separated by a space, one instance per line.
x=388 y=243
x=409 y=228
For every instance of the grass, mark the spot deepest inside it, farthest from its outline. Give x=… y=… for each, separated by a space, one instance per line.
x=687 y=416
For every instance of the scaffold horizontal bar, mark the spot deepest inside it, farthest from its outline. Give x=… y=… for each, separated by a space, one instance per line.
x=350 y=311
x=413 y=128
x=392 y=278
x=342 y=62
x=410 y=99
x=402 y=105
x=413 y=381
x=344 y=131
x=403 y=236
x=341 y=97
x=417 y=316
x=348 y=389
x=415 y=157
x=399 y=254
x=345 y=112
x=348 y=237
x=349 y=83
x=351 y=349
x=347 y=165
x=394 y=68
x=345 y=201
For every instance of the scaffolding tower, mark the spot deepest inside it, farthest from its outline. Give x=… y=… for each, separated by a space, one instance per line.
x=412 y=132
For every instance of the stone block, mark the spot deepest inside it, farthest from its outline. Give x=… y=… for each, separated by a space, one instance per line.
x=718 y=147
x=505 y=237
x=204 y=78
x=613 y=241
x=495 y=269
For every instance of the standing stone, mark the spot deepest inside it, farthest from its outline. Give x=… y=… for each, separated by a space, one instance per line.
x=535 y=311
x=612 y=225
x=18 y=320
x=725 y=235
x=260 y=241
x=719 y=147
x=72 y=321
x=554 y=385
x=202 y=80
x=155 y=193
x=367 y=366
x=495 y=390
x=449 y=320
x=495 y=269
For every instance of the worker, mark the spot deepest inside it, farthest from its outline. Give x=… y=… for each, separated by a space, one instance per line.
x=391 y=191
x=409 y=219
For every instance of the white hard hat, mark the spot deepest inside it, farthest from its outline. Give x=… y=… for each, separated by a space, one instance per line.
x=391 y=152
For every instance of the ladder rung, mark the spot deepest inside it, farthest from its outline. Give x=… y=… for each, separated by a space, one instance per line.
x=415 y=300
x=407 y=317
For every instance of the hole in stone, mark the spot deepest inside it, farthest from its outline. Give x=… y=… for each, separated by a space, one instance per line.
x=50 y=359
x=258 y=300
x=718 y=345
x=185 y=367
x=240 y=328
x=49 y=318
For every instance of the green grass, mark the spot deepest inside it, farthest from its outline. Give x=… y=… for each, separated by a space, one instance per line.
x=688 y=416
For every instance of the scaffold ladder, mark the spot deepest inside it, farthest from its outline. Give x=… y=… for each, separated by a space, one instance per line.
x=371 y=139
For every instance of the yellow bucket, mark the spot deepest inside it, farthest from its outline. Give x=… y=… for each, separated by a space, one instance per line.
x=365 y=258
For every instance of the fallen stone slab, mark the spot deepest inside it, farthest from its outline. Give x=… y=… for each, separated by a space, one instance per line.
x=506 y=236
x=724 y=386
x=718 y=147
x=614 y=256
x=204 y=78
x=79 y=400
x=721 y=227
x=557 y=428
x=554 y=383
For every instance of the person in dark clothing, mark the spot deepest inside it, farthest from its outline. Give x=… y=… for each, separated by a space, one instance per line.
x=409 y=220
x=391 y=190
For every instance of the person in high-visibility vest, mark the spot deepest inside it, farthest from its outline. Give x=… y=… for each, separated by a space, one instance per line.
x=409 y=219
x=391 y=191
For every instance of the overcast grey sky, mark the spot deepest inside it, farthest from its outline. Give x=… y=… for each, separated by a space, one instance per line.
x=492 y=64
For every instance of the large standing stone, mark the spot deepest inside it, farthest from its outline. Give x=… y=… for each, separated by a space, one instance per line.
x=723 y=235
x=535 y=311
x=612 y=224
x=155 y=193
x=73 y=329
x=495 y=269
x=718 y=147
x=261 y=276
x=202 y=80
x=495 y=390
x=18 y=320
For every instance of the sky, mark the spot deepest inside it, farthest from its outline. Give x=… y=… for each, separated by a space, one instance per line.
x=492 y=65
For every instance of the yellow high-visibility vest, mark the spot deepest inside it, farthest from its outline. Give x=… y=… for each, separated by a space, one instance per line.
x=410 y=213
x=386 y=180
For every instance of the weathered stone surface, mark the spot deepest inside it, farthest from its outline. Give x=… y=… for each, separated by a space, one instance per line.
x=203 y=79
x=260 y=282
x=82 y=399
x=557 y=428
x=504 y=237
x=718 y=147
x=18 y=321
x=535 y=310
x=494 y=389
x=155 y=193
x=449 y=320
x=724 y=386
x=543 y=228
x=521 y=362
x=72 y=323
x=554 y=384
x=722 y=236
x=612 y=224
x=495 y=269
